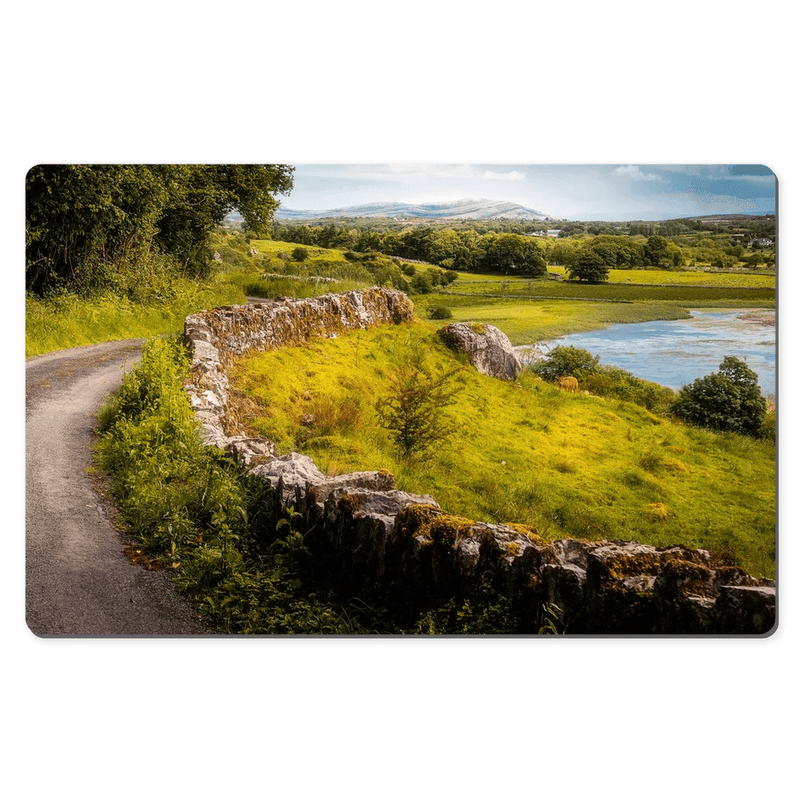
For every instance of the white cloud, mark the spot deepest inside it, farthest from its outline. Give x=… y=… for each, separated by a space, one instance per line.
x=454 y=171
x=635 y=173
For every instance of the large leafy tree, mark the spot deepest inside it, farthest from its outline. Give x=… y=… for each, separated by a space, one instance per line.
x=513 y=253
x=588 y=265
x=728 y=400
x=80 y=214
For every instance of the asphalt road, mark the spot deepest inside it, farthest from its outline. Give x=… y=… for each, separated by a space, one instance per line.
x=79 y=581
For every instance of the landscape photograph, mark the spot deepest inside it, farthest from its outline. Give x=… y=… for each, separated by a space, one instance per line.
x=398 y=401
x=448 y=400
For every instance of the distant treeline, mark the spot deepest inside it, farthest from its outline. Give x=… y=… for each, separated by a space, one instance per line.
x=470 y=247
x=458 y=248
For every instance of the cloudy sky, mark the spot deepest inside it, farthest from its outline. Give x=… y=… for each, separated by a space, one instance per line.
x=613 y=192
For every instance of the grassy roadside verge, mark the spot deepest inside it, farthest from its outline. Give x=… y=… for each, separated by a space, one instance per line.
x=197 y=515
x=68 y=321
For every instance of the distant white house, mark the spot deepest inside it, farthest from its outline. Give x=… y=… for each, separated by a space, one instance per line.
x=761 y=242
x=551 y=233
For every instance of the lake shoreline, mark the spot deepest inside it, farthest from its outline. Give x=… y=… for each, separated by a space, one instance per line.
x=672 y=355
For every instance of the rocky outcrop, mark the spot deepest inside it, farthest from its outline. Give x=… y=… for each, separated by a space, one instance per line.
x=488 y=348
x=401 y=549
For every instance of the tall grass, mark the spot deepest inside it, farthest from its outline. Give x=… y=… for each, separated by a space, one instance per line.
x=198 y=516
x=68 y=320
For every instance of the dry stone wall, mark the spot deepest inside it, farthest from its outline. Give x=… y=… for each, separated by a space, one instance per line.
x=400 y=548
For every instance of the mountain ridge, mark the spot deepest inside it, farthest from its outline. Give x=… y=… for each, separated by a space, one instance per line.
x=465 y=208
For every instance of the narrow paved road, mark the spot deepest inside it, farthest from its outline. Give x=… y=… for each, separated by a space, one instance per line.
x=78 y=579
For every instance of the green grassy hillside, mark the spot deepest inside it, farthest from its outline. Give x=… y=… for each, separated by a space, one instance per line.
x=525 y=452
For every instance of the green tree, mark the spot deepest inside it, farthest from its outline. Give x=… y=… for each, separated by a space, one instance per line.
x=655 y=249
x=588 y=265
x=79 y=216
x=513 y=253
x=728 y=400
x=414 y=410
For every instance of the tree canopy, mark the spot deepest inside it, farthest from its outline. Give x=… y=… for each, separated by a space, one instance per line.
x=728 y=400
x=79 y=214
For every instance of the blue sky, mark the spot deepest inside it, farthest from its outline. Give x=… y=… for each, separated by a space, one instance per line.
x=609 y=191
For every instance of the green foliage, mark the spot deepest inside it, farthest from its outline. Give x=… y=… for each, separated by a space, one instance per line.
x=485 y=612
x=588 y=265
x=421 y=283
x=299 y=254
x=728 y=400
x=512 y=253
x=414 y=410
x=196 y=513
x=602 y=380
x=439 y=312
x=83 y=220
x=566 y=361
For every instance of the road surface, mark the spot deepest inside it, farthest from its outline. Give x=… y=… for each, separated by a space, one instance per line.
x=79 y=582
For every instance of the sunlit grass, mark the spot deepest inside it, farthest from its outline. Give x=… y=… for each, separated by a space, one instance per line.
x=67 y=321
x=570 y=465
x=525 y=322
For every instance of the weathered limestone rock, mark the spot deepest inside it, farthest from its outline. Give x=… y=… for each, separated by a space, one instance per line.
x=290 y=476
x=488 y=348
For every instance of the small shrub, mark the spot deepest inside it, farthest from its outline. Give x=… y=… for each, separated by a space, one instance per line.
x=421 y=283
x=439 y=312
x=566 y=361
x=414 y=410
x=299 y=254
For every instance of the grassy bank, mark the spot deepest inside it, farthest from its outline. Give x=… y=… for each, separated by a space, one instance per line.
x=68 y=320
x=567 y=464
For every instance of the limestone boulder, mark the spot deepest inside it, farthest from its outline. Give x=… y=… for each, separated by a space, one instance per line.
x=488 y=348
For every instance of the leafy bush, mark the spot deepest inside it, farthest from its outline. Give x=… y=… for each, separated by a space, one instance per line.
x=566 y=361
x=439 y=312
x=414 y=410
x=421 y=283
x=609 y=381
x=728 y=400
x=601 y=380
x=299 y=254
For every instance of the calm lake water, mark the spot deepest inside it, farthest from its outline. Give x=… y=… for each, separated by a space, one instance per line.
x=674 y=353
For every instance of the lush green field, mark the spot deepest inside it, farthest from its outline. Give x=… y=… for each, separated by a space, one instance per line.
x=749 y=280
x=530 y=311
x=67 y=320
x=529 y=321
x=568 y=464
x=680 y=294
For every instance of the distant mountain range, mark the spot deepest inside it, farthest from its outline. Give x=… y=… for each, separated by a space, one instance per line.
x=458 y=209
